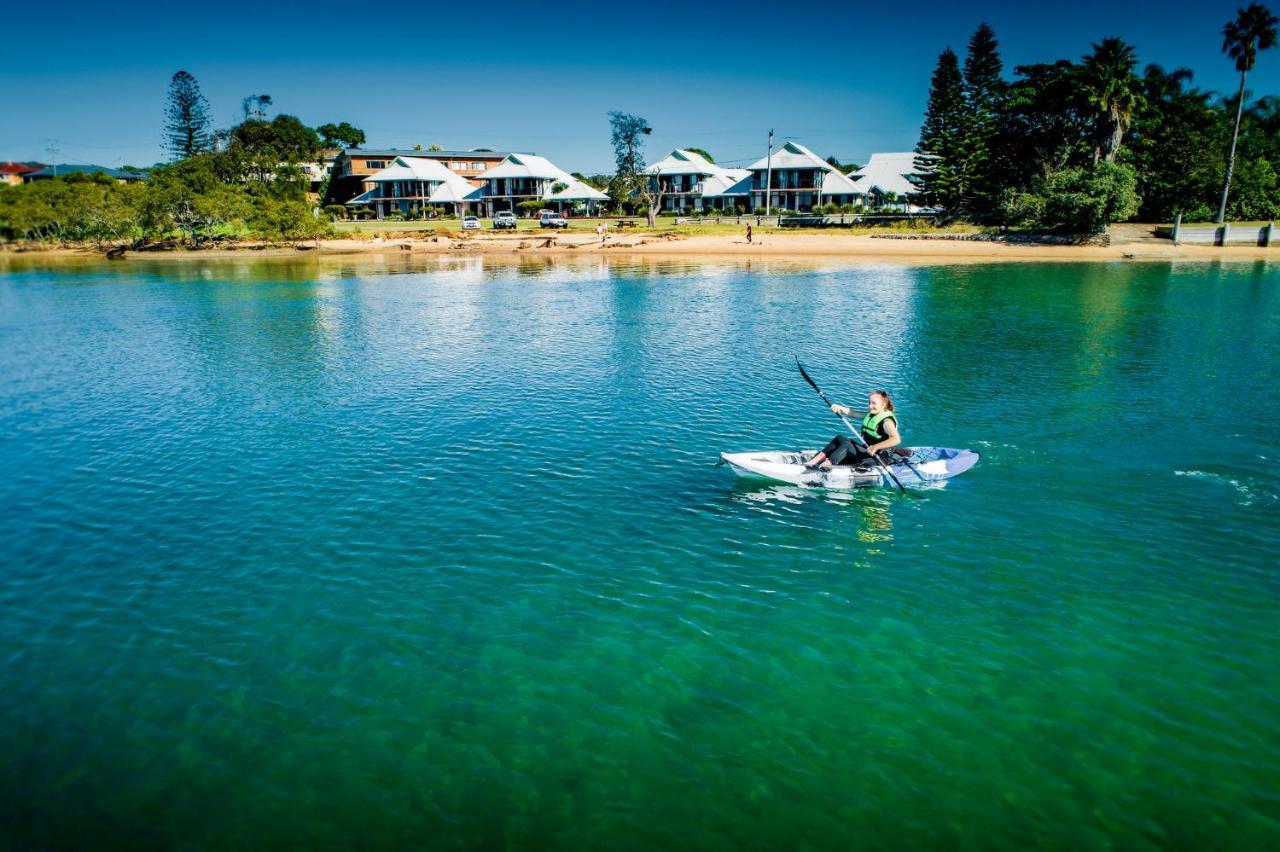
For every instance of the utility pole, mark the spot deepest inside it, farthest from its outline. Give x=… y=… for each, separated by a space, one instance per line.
x=768 y=175
x=53 y=156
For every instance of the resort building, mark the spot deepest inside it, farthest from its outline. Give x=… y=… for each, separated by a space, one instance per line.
x=64 y=169
x=528 y=177
x=887 y=177
x=12 y=173
x=799 y=179
x=411 y=185
x=691 y=182
x=353 y=166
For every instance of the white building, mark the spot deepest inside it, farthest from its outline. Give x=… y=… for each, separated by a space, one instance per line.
x=799 y=179
x=692 y=182
x=887 y=176
x=527 y=177
x=410 y=184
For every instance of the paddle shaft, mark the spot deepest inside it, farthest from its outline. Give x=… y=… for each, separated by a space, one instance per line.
x=857 y=434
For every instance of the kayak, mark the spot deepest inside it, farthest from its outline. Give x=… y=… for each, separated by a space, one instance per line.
x=925 y=466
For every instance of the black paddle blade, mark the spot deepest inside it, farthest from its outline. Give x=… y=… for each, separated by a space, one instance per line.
x=811 y=382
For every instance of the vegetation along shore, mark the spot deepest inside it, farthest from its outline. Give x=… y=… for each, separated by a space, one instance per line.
x=1064 y=148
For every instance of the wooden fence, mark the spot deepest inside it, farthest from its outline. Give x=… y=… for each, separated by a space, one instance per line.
x=1222 y=235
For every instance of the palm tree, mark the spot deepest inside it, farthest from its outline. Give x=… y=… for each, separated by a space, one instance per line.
x=1111 y=88
x=1253 y=29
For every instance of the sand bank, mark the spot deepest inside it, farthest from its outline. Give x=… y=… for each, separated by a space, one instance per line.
x=1128 y=242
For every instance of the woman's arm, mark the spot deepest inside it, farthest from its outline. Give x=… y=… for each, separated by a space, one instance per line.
x=845 y=410
x=892 y=439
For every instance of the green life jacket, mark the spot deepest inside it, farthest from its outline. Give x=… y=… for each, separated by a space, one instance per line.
x=871 y=426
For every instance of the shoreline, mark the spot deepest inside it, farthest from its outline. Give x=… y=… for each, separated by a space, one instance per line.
x=1127 y=243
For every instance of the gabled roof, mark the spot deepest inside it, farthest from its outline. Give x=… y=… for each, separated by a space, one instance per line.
x=732 y=182
x=410 y=168
x=682 y=162
x=578 y=191
x=540 y=168
x=836 y=182
x=526 y=166
x=887 y=173
x=19 y=168
x=448 y=185
x=792 y=155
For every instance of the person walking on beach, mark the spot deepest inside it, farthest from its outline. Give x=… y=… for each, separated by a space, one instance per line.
x=748 y=235
x=879 y=430
x=603 y=231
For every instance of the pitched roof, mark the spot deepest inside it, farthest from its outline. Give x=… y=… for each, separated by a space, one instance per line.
x=888 y=173
x=526 y=166
x=732 y=182
x=20 y=168
x=792 y=155
x=449 y=186
x=682 y=162
x=578 y=191
x=835 y=182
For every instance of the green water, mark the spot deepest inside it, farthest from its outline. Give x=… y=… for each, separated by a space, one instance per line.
x=433 y=555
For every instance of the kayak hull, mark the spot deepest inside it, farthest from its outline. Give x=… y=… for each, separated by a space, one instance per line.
x=926 y=466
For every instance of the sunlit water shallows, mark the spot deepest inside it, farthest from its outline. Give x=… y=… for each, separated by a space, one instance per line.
x=437 y=557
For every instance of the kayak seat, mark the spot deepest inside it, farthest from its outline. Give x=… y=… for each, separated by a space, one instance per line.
x=902 y=452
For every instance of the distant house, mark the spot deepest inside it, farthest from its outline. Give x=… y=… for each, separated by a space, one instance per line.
x=352 y=167
x=799 y=179
x=64 y=169
x=12 y=173
x=887 y=176
x=410 y=185
x=692 y=182
x=528 y=177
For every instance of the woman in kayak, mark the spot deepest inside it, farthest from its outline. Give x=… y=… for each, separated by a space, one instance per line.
x=879 y=429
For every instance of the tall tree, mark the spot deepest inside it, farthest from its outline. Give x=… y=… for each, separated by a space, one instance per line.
x=186 y=118
x=344 y=135
x=255 y=107
x=1178 y=143
x=1253 y=29
x=1114 y=91
x=940 y=156
x=626 y=133
x=984 y=91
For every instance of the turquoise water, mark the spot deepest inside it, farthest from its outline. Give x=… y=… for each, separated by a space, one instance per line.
x=435 y=556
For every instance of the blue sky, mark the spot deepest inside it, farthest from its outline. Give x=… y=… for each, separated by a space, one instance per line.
x=845 y=79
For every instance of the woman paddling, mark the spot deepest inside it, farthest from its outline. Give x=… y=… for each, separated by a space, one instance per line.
x=879 y=429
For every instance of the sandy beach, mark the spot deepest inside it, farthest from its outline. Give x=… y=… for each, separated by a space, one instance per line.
x=1127 y=242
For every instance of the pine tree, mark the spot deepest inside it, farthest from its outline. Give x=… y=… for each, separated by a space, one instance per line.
x=940 y=156
x=984 y=91
x=187 y=118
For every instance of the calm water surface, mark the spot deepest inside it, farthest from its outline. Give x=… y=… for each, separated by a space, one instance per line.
x=436 y=556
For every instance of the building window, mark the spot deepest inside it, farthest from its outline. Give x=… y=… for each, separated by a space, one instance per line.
x=478 y=166
x=375 y=164
x=457 y=167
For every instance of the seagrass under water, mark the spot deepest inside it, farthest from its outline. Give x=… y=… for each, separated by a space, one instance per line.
x=434 y=555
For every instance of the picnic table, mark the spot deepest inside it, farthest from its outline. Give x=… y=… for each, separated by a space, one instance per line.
x=624 y=224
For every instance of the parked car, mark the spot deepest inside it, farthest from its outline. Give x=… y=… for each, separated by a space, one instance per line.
x=505 y=219
x=470 y=223
x=552 y=219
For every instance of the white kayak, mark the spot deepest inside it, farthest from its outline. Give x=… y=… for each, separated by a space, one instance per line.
x=925 y=466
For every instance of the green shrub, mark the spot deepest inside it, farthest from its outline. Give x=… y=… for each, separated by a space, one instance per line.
x=1084 y=200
